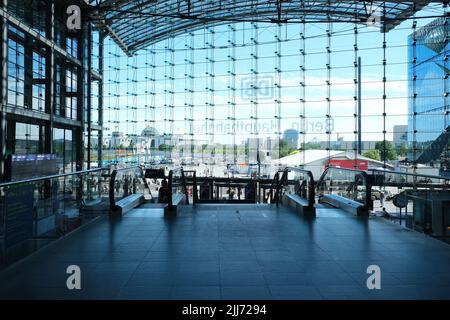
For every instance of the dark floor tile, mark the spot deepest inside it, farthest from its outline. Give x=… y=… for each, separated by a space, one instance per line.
x=115 y=266
x=332 y=278
x=194 y=279
x=232 y=278
x=195 y=293
x=150 y=292
x=238 y=252
x=387 y=278
x=246 y=293
x=105 y=280
x=292 y=292
x=343 y=292
x=241 y=266
x=150 y=279
x=287 y=279
x=281 y=266
x=401 y=292
x=125 y=256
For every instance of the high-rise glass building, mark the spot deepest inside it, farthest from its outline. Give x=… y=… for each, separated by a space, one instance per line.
x=428 y=89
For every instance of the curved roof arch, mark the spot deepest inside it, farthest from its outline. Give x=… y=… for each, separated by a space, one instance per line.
x=136 y=24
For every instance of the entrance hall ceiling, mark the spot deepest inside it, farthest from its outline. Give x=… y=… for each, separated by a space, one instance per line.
x=135 y=24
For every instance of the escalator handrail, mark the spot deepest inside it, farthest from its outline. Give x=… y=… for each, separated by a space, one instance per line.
x=170 y=184
x=37 y=179
x=312 y=186
x=363 y=174
x=193 y=177
x=112 y=182
x=274 y=185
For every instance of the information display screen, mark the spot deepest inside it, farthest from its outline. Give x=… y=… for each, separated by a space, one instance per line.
x=32 y=166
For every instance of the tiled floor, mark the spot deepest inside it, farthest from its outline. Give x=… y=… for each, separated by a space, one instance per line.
x=236 y=252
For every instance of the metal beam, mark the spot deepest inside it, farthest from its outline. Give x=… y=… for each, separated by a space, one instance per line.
x=3 y=87
x=417 y=6
x=12 y=112
x=114 y=16
x=28 y=63
x=50 y=76
x=118 y=40
x=81 y=81
x=100 y=99
x=89 y=94
x=359 y=108
x=96 y=75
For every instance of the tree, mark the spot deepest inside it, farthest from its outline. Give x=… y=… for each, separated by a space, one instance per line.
x=387 y=150
x=372 y=154
x=312 y=146
x=284 y=148
x=204 y=146
x=403 y=150
x=164 y=147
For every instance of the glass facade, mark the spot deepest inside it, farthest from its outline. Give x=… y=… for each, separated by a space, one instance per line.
x=46 y=96
x=28 y=139
x=233 y=96
x=428 y=73
x=229 y=97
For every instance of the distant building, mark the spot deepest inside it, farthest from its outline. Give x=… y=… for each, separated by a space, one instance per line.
x=428 y=81
x=291 y=137
x=150 y=137
x=400 y=135
x=342 y=144
x=317 y=160
x=119 y=139
x=262 y=148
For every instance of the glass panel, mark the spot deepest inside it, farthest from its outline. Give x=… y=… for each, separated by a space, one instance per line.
x=34 y=213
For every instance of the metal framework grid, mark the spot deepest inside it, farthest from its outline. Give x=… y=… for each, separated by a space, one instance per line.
x=136 y=24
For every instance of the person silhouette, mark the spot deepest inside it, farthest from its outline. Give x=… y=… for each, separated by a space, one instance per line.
x=163 y=192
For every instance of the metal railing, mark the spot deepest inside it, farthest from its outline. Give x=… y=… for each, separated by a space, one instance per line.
x=45 y=208
x=301 y=183
x=416 y=200
x=125 y=182
x=393 y=178
x=193 y=189
x=223 y=189
x=274 y=187
x=177 y=185
x=349 y=183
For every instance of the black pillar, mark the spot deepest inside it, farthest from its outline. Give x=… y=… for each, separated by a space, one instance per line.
x=359 y=108
x=28 y=61
x=50 y=77
x=89 y=94
x=81 y=80
x=100 y=99
x=3 y=87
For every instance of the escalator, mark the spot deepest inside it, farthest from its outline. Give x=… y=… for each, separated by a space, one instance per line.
x=132 y=188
